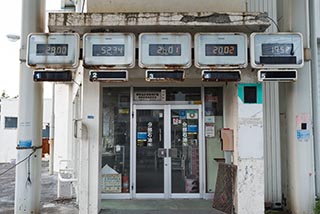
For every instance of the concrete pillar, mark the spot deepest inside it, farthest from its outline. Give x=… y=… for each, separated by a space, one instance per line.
x=298 y=112
x=28 y=173
x=249 y=156
x=90 y=158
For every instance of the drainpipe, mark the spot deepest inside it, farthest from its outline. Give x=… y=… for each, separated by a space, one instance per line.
x=315 y=90
x=29 y=148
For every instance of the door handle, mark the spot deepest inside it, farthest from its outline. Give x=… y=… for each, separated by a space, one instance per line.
x=162 y=153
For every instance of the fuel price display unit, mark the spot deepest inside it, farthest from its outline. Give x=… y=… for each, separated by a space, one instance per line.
x=276 y=50
x=54 y=50
x=220 y=50
x=109 y=50
x=168 y=54
x=165 y=50
x=106 y=53
x=54 y=56
x=276 y=54
x=220 y=54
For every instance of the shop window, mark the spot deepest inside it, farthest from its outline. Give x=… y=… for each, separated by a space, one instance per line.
x=213 y=123
x=116 y=140
x=10 y=122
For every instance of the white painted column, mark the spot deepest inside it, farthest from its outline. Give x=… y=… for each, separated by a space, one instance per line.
x=62 y=124
x=90 y=164
x=301 y=181
x=28 y=173
x=315 y=54
x=249 y=156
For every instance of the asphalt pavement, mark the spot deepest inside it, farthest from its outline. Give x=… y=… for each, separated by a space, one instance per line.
x=49 y=202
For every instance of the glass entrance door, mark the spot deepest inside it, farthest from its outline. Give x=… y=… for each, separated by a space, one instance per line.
x=150 y=151
x=184 y=150
x=166 y=151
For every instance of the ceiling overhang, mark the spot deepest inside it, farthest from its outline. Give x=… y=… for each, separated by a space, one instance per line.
x=158 y=22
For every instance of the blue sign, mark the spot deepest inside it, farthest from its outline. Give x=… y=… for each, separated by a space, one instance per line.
x=183 y=114
x=25 y=143
x=303 y=135
x=142 y=135
x=192 y=128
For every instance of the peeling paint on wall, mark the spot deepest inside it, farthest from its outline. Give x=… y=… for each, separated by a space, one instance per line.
x=250 y=189
x=214 y=18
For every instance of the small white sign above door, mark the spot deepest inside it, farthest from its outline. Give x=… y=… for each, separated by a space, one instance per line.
x=148 y=96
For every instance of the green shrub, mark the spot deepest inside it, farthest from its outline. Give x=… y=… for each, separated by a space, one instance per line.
x=317 y=207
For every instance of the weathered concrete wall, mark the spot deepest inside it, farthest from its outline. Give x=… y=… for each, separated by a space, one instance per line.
x=114 y=6
x=249 y=155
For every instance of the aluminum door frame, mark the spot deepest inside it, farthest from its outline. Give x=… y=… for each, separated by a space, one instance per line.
x=167 y=161
x=164 y=195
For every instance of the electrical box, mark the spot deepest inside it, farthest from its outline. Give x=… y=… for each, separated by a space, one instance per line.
x=227 y=140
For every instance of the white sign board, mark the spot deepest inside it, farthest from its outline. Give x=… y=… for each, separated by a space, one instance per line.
x=111 y=183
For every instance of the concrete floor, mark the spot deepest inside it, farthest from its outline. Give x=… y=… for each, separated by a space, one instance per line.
x=50 y=204
x=174 y=206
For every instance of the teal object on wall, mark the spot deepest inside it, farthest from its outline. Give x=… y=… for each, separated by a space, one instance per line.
x=241 y=87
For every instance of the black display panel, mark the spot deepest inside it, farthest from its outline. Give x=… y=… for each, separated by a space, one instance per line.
x=108 y=50
x=221 y=76
x=221 y=50
x=52 y=76
x=164 y=49
x=108 y=75
x=154 y=75
x=278 y=75
x=52 y=50
x=277 y=49
x=278 y=60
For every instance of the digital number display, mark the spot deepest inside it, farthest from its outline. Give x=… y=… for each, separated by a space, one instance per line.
x=164 y=49
x=108 y=50
x=52 y=50
x=221 y=50
x=277 y=49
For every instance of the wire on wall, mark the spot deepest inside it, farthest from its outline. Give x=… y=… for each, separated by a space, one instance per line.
x=26 y=158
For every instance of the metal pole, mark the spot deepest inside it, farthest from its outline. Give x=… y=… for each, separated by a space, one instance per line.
x=315 y=90
x=51 y=140
x=29 y=152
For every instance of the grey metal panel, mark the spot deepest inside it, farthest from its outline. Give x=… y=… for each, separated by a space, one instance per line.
x=272 y=155
x=269 y=6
